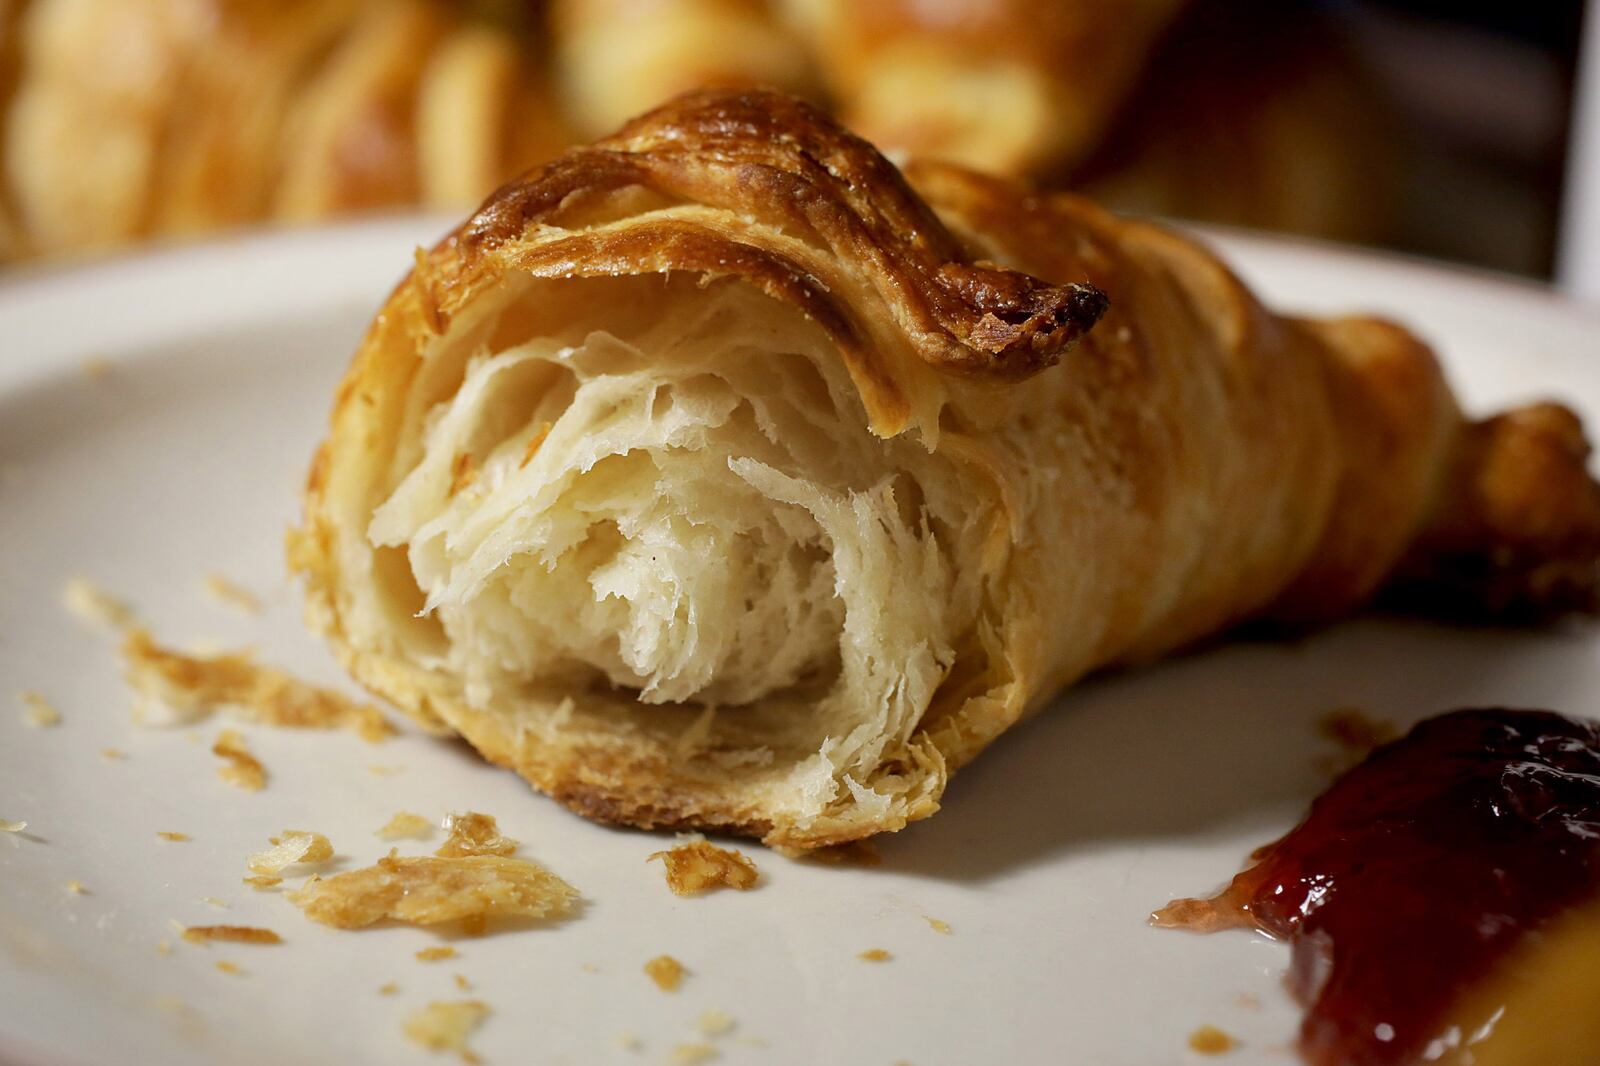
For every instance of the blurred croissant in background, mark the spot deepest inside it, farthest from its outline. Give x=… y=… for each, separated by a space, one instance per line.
x=125 y=120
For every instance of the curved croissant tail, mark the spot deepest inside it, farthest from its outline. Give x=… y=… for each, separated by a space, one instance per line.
x=1516 y=534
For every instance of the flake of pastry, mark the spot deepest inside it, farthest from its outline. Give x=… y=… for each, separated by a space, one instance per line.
x=231 y=594
x=474 y=834
x=176 y=688
x=173 y=836
x=38 y=711
x=446 y=1025
x=937 y=925
x=435 y=954
x=232 y=968
x=1209 y=1040
x=698 y=866
x=715 y=1023
x=290 y=848
x=666 y=971
x=692 y=1054
x=92 y=605
x=406 y=824
x=262 y=881
x=428 y=890
x=240 y=768
x=875 y=955
x=232 y=934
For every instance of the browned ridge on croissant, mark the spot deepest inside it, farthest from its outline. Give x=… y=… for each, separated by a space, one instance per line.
x=722 y=475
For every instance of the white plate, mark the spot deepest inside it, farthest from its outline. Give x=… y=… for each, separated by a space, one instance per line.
x=186 y=459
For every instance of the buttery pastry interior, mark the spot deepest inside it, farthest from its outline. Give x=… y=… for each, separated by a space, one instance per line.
x=719 y=475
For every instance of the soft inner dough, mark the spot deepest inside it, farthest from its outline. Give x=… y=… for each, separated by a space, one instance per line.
x=685 y=508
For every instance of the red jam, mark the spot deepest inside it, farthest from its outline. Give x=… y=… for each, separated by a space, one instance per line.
x=1416 y=873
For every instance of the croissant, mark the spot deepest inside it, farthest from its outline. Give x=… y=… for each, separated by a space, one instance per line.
x=720 y=475
x=134 y=118
x=1004 y=86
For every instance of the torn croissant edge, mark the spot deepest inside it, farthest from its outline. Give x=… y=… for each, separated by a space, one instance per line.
x=627 y=206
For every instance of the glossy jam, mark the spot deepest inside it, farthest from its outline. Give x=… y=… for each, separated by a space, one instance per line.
x=1416 y=874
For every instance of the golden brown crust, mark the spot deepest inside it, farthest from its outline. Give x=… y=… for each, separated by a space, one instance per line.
x=779 y=161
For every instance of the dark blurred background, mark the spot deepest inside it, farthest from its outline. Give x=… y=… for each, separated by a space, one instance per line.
x=1440 y=128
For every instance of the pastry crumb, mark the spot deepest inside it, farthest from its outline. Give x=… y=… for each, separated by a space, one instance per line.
x=1247 y=1001
x=691 y=1054
x=290 y=848
x=215 y=902
x=12 y=827
x=90 y=604
x=698 y=866
x=875 y=955
x=38 y=711
x=436 y=954
x=379 y=770
x=239 y=768
x=666 y=971
x=406 y=824
x=474 y=834
x=629 y=1042
x=113 y=754
x=855 y=853
x=1356 y=733
x=163 y=947
x=233 y=934
x=230 y=967
x=1209 y=1040
x=937 y=925
x=76 y=888
x=175 y=837
x=175 y=688
x=389 y=989
x=97 y=367
x=428 y=890
x=261 y=881
x=231 y=594
x=446 y=1025
x=714 y=1023
x=462 y=982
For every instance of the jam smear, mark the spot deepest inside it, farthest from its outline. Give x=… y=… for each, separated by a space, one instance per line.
x=1416 y=874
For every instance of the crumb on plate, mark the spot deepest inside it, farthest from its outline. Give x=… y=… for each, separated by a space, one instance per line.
x=231 y=594
x=714 y=1023
x=462 y=983
x=12 y=827
x=230 y=967
x=406 y=824
x=446 y=1025
x=76 y=888
x=473 y=834
x=380 y=770
x=262 y=881
x=427 y=890
x=388 y=989
x=38 y=711
x=190 y=687
x=172 y=835
x=215 y=902
x=629 y=1042
x=91 y=604
x=938 y=925
x=875 y=955
x=435 y=954
x=232 y=934
x=1209 y=1040
x=697 y=866
x=290 y=848
x=113 y=754
x=666 y=971
x=240 y=768
x=691 y=1054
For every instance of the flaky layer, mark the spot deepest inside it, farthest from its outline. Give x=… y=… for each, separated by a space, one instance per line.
x=714 y=477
